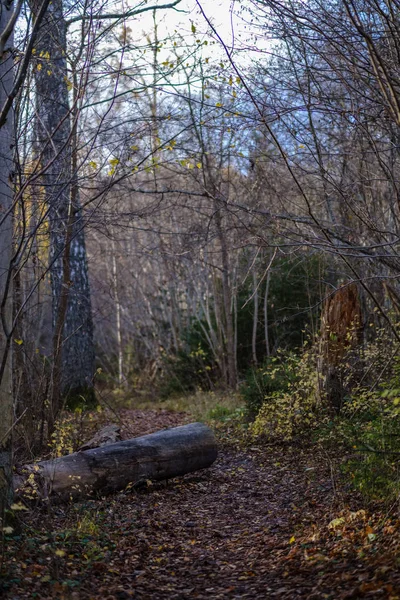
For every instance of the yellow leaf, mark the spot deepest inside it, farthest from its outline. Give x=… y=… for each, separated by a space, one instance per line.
x=198 y=165
x=69 y=83
x=292 y=540
x=218 y=105
x=337 y=523
x=18 y=506
x=8 y=530
x=60 y=553
x=93 y=164
x=39 y=67
x=19 y=342
x=193 y=28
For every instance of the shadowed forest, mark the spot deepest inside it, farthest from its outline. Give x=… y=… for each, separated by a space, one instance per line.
x=199 y=299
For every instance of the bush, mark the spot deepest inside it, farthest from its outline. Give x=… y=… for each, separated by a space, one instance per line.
x=287 y=412
x=368 y=427
x=187 y=372
x=368 y=431
x=276 y=376
x=225 y=413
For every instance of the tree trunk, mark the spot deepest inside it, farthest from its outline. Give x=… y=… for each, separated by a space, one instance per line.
x=226 y=302
x=158 y=456
x=117 y=302
x=341 y=336
x=255 y=317
x=266 y=330
x=70 y=287
x=6 y=253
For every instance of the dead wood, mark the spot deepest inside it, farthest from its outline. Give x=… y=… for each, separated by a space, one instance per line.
x=107 y=435
x=341 y=334
x=158 y=456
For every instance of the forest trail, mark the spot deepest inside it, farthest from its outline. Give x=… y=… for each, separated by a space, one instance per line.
x=262 y=522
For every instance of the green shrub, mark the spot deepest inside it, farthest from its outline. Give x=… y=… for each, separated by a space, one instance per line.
x=370 y=430
x=223 y=413
x=296 y=407
x=84 y=398
x=187 y=372
x=276 y=376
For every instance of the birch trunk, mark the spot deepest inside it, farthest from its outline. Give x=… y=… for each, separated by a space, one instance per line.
x=6 y=252
x=227 y=302
x=121 y=378
x=72 y=313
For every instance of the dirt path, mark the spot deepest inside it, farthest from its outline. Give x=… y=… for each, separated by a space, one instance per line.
x=255 y=525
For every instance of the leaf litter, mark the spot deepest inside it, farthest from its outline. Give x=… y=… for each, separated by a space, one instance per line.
x=262 y=522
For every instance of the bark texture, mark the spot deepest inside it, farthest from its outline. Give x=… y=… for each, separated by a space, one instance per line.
x=72 y=313
x=341 y=333
x=158 y=456
x=6 y=250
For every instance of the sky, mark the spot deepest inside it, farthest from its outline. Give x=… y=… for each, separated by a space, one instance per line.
x=229 y=26
x=188 y=12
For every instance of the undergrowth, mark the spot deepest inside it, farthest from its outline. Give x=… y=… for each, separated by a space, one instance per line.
x=365 y=434
x=283 y=401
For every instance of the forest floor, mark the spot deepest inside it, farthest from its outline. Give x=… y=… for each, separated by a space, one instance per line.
x=262 y=522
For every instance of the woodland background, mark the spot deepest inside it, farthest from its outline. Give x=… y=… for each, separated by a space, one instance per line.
x=203 y=212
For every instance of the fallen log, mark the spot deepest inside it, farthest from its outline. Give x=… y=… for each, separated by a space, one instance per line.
x=158 y=456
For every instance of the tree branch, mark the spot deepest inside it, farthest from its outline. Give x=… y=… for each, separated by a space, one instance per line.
x=25 y=64
x=9 y=27
x=125 y=15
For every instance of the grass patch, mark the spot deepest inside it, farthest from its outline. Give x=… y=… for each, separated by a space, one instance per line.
x=201 y=406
